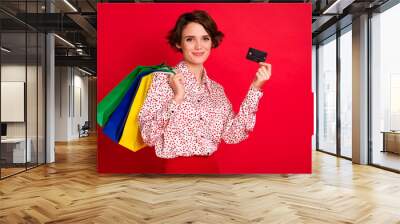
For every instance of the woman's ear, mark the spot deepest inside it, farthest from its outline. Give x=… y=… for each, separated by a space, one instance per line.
x=178 y=46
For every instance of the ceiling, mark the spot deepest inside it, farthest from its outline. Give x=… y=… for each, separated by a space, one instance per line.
x=76 y=22
x=77 y=25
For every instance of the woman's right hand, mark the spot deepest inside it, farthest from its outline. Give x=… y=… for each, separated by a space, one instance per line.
x=176 y=82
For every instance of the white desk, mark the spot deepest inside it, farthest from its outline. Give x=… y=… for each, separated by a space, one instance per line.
x=18 y=149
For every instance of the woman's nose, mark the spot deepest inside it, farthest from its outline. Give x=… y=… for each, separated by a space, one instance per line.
x=197 y=45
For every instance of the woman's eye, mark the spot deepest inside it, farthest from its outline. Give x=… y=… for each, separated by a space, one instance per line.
x=206 y=38
x=189 y=39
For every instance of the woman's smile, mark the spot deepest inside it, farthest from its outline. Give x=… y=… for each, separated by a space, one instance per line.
x=198 y=54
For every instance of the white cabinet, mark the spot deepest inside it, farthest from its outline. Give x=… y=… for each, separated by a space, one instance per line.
x=17 y=147
x=391 y=142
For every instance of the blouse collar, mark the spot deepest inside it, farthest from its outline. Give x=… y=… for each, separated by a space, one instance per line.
x=190 y=77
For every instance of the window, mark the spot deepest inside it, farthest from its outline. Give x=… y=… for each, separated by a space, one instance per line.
x=327 y=95
x=385 y=88
x=346 y=74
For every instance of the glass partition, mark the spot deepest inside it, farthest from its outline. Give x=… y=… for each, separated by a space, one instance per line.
x=22 y=77
x=14 y=153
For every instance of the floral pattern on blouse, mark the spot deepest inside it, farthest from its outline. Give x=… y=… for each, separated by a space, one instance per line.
x=197 y=125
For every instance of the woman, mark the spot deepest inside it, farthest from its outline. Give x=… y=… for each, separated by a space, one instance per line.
x=188 y=114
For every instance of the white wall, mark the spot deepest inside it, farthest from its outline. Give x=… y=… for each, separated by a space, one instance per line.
x=71 y=101
x=61 y=103
x=80 y=97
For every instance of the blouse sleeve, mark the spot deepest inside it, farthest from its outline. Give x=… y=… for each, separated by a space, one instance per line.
x=237 y=127
x=158 y=108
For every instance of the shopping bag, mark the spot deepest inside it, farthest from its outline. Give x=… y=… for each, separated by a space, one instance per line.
x=110 y=102
x=131 y=137
x=116 y=122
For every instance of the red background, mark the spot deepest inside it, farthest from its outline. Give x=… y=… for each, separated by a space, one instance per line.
x=134 y=34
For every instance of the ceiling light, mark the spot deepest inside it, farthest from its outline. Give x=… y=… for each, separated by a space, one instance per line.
x=64 y=40
x=5 y=50
x=84 y=71
x=70 y=5
x=337 y=7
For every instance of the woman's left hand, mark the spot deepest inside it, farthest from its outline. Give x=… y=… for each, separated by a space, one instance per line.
x=262 y=75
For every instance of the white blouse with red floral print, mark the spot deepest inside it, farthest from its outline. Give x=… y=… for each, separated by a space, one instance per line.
x=197 y=125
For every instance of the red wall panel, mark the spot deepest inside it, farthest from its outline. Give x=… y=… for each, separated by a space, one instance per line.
x=135 y=34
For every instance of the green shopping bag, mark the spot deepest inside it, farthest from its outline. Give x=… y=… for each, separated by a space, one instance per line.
x=108 y=104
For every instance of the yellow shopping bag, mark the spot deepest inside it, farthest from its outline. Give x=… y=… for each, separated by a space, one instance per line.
x=131 y=137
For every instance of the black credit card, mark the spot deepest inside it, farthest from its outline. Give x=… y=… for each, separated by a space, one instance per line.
x=256 y=55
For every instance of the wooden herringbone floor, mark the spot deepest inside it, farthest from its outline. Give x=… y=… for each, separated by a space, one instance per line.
x=71 y=191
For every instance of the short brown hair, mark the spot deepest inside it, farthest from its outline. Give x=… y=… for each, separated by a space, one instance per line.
x=198 y=16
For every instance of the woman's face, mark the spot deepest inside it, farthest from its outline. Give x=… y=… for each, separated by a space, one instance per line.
x=195 y=44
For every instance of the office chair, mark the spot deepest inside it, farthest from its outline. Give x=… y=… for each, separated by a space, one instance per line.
x=84 y=130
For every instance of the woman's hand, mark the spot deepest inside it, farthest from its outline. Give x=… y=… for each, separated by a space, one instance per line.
x=176 y=82
x=262 y=75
